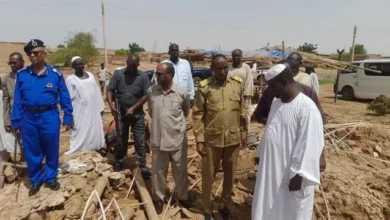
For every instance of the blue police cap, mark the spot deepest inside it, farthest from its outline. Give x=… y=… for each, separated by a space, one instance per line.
x=32 y=44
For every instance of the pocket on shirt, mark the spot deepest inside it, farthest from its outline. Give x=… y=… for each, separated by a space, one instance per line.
x=52 y=89
x=235 y=100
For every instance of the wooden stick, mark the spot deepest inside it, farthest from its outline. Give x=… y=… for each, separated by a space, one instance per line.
x=132 y=182
x=319 y=211
x=168 y=205
x=219 y=187
x=326 y=202
x=145 y=196
x=109 y=210
x=187 y=213
x=100 y=186
x=196 y=182
x=192 y=160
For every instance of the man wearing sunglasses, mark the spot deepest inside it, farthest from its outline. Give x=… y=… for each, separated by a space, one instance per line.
x=35 y=114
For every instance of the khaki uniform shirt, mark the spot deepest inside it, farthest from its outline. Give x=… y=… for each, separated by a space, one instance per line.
x=168 y=111
x=303 y=78
x=8 y=87
x=245 y=72
x=219 y=113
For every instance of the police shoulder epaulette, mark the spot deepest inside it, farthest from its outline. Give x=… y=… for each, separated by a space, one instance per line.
x=57 y=71
x=204 y=82
x=237 y=78
x=23 y=69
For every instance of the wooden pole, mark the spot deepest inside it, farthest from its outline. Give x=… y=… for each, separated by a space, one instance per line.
x=353 y=44
x=100 y=185
x=104 y=35
x=145 y=196
x=282 y=50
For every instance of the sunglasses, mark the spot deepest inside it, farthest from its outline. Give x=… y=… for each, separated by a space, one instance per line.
x=35 y=53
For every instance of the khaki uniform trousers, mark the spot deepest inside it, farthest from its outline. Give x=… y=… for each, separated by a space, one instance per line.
x=210 y=165
x=160 y=163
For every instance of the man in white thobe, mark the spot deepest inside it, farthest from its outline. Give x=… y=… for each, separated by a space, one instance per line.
x=289 y=152
x=88 y=107
x=315 y=85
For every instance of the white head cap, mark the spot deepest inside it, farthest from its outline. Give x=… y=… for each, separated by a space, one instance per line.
x=274 y=71
x=74 y=58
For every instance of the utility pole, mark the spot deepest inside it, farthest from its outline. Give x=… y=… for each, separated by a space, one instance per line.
x=353 y=44
x=282 y=50
x=104 y=35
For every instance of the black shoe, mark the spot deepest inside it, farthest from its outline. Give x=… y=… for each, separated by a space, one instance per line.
x=146 y=174
x=208 y=217
x=226 y=215
x=159 y=206
x=186 y=203
x=34 y=189
x=118 y=166
x=54 y=185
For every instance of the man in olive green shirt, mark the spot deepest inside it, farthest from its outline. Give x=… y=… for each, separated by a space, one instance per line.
x=220 y=129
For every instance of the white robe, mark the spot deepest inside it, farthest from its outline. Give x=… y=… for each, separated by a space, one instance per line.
x=292 y=144
x=315 y=85
x=87 y=101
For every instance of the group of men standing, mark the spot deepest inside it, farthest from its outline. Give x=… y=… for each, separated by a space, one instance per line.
x=288 y=155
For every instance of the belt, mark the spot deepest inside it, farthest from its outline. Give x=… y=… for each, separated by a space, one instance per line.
x=38 y=109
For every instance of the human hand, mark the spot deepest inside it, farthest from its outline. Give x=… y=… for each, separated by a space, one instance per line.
x=130 y=111
x=322 y=163
x=200 y=148
x=16 y=131
x=66 y=128
x=8 y=129
x=114 y=111
x=295 y=183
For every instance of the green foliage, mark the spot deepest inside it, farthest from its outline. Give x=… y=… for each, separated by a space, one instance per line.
x=308 y=47
x=78 y=44
x=60 y=46
x=335 y=56
x=135 y=48
x=359 y=49
x=325 y=81
x=381 y=105
x=122 y=52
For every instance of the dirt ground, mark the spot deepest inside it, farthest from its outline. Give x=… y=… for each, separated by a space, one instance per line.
x=355 y=184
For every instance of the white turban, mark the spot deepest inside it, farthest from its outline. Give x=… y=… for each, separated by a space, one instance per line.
x=274 y=71
x=75 y=58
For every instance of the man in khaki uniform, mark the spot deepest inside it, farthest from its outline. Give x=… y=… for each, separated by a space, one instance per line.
x=168 y=105
x=16 y=62
x=238 y=68
x=219 y=128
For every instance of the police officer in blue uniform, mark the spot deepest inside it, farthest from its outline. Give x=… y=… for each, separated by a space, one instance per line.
x=35 y=115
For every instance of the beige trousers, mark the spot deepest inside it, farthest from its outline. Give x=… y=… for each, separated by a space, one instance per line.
x=160 y=163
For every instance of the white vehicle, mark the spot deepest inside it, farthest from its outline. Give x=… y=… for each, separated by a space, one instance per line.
x=367 y=83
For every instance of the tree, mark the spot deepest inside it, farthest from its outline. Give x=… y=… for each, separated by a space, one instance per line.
x=60 y=46
x=77 y=44
x=340 y=52
x=308 y=47
x=122 y=52
x=359 y=49
x=135 y=48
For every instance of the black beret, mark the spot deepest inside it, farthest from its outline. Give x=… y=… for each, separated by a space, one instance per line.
x=32 y=44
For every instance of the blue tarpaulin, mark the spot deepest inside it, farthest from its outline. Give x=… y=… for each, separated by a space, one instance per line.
x=276 y=53
x=214 y=52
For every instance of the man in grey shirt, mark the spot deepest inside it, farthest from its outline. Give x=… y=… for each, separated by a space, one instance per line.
x=130 y=86
x=169 y=105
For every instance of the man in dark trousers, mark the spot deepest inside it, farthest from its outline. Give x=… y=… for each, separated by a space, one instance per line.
x=130 y=87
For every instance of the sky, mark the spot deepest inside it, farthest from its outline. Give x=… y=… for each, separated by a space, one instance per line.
x=227 y=24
